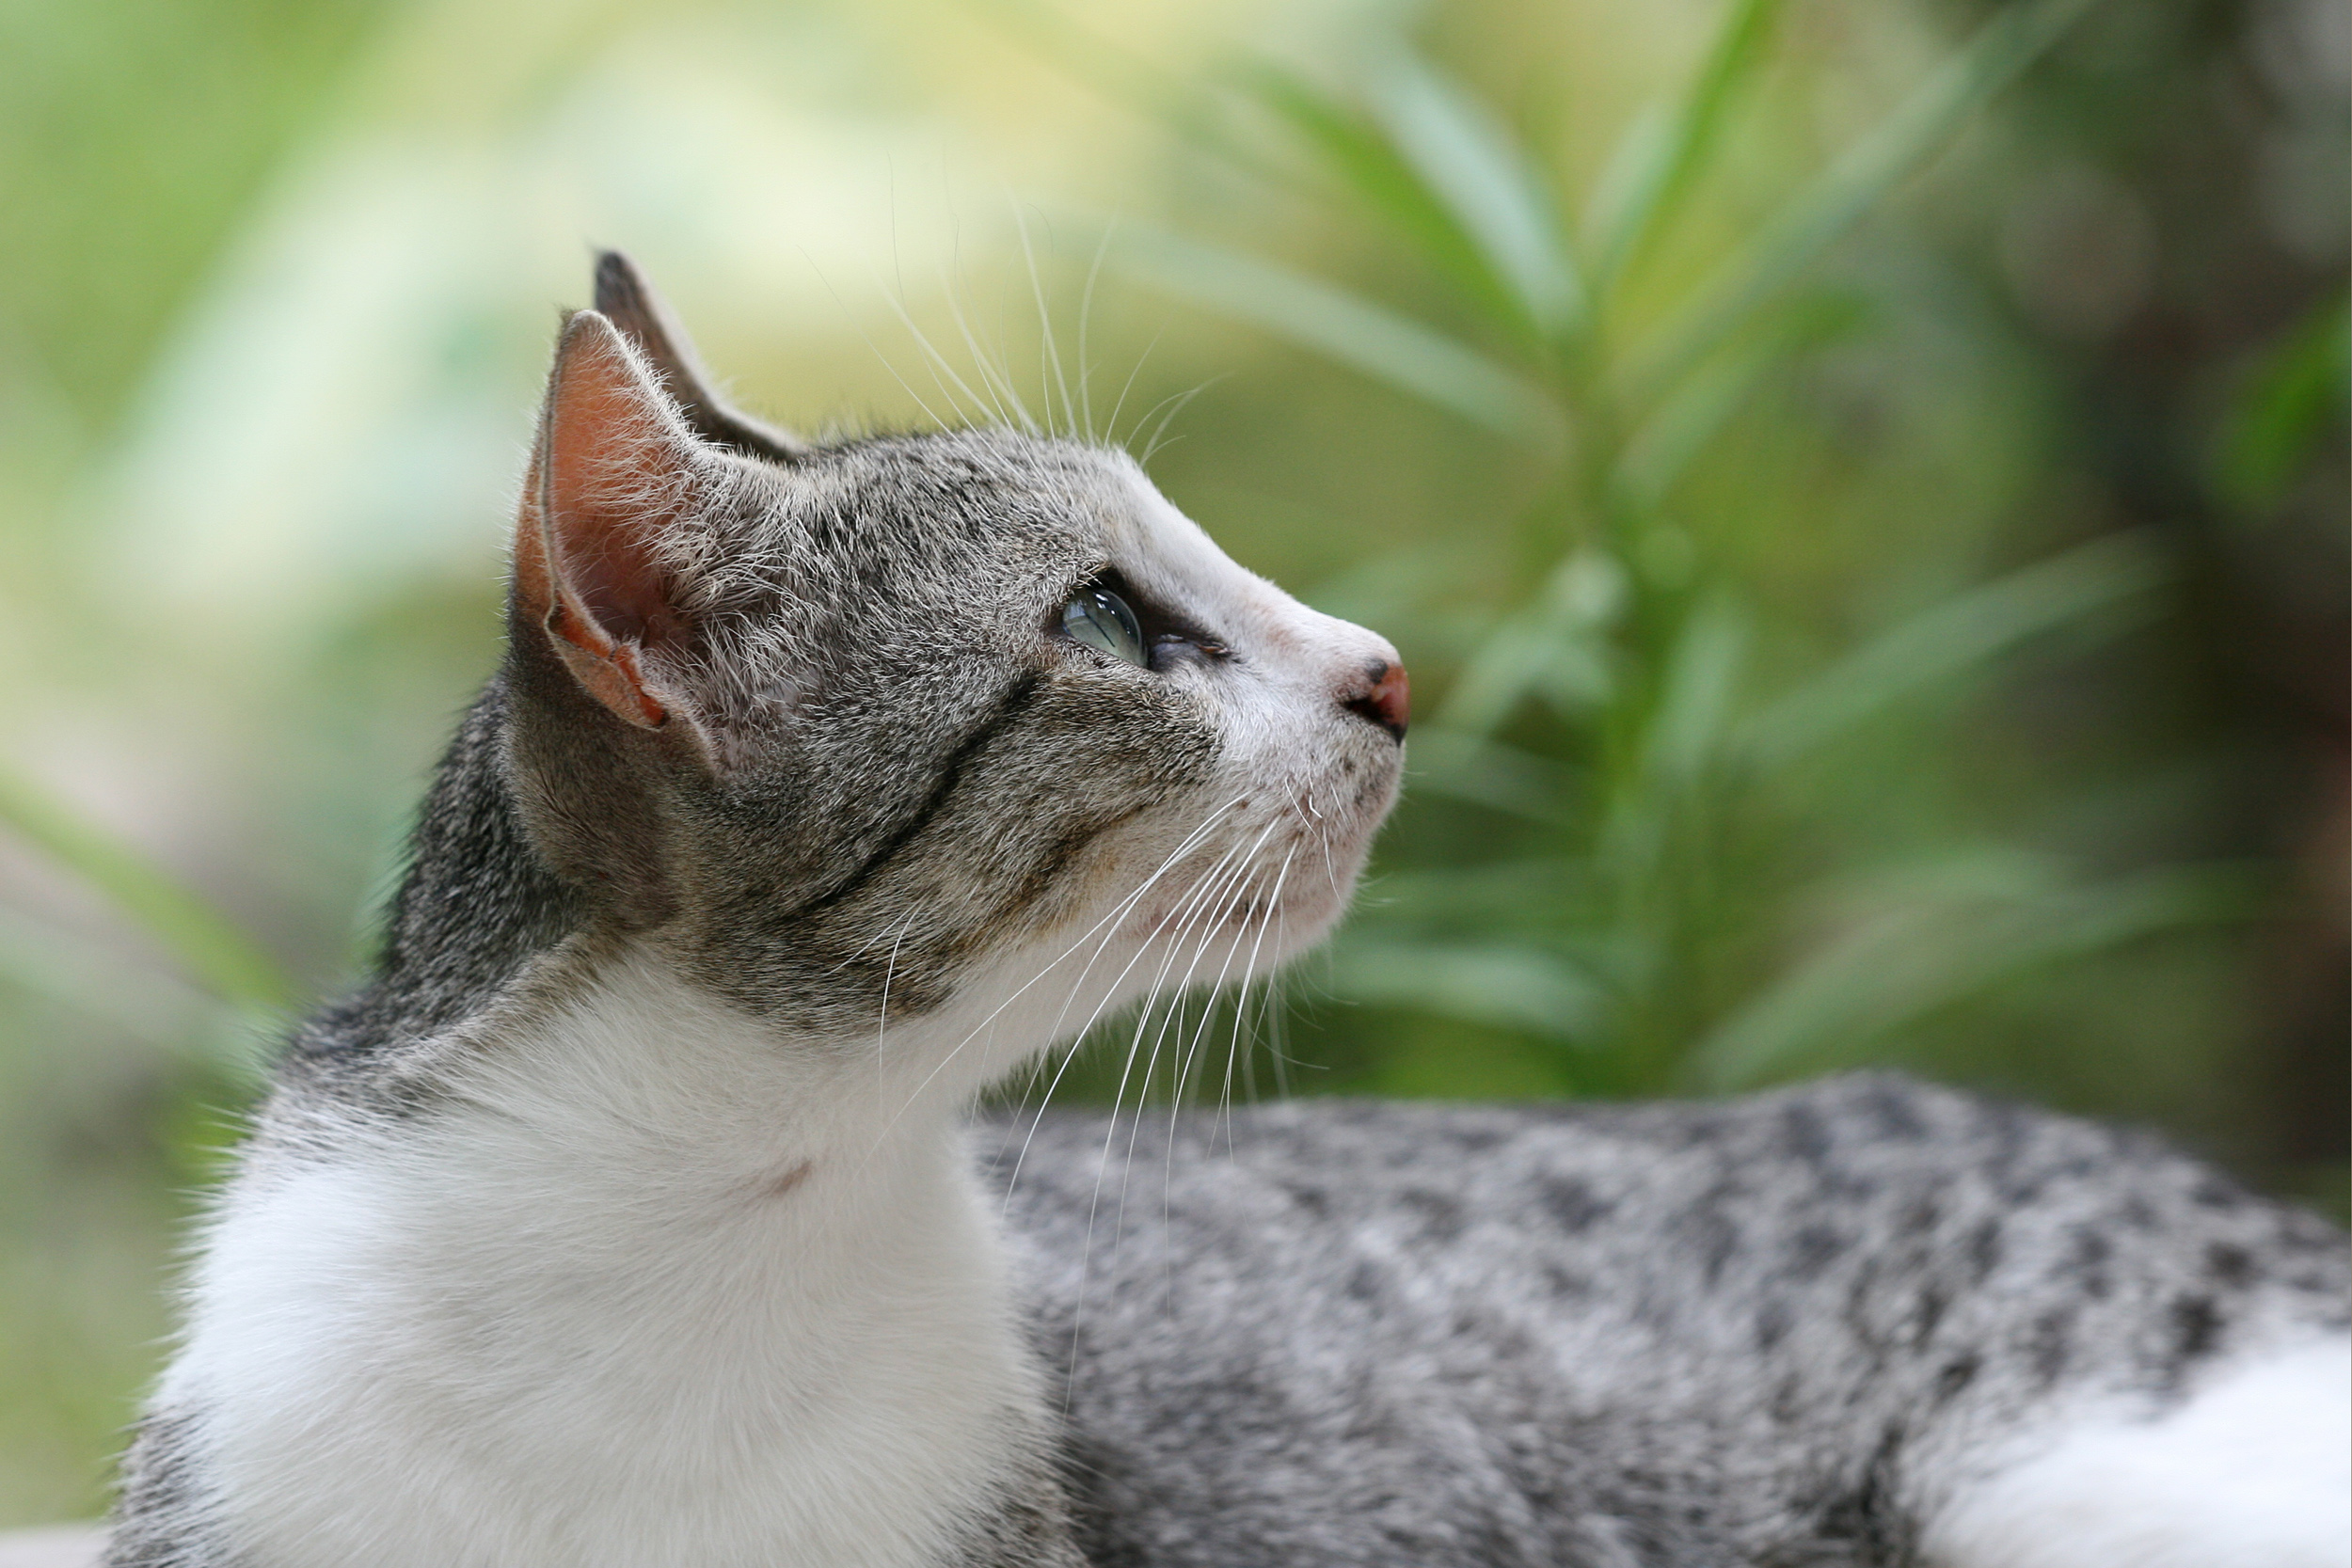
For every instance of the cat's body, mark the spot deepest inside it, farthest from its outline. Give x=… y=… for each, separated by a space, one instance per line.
x=628 y=1216
x=1814 y=1327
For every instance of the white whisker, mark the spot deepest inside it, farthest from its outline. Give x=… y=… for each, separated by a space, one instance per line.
x=1116 y=912
x=1048 y=351
x=943 y=372
x=882 y=1027
x=1195 y=902
x=1086 y=311
x=1110 y=426
x=904 y=385
x=1239 y=883
x=1001 y=389
x=1180 y=400
x=1109 y=991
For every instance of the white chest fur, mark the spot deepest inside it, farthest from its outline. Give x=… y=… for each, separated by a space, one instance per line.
x=658 y=1289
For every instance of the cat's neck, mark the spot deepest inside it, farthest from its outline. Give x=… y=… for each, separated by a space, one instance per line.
x=650 y=1273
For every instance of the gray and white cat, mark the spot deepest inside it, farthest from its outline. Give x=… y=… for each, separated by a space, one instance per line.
x=626 y=1215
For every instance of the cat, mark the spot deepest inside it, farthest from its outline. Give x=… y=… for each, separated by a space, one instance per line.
x=632 y=1211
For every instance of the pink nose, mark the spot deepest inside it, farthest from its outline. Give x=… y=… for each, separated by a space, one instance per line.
x=1386 y=701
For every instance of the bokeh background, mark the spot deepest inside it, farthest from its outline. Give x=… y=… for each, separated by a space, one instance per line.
x=1861 y=485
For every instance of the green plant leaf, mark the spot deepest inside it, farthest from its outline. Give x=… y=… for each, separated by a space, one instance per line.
x=1556 y=644
x=215 y=953
x=1484 y=772
x=2299 y=390
x=1365 y=162
x=1855 y=182
x=1478 y=173
x=1508 y=986
x=1687 y=728
x=1679 y=739
x=1661 y=154
x=1941 y=937
x=1962 y=631
x=1344 y=327
x=1659 y=452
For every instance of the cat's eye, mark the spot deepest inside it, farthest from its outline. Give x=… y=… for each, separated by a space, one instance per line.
x=1101 y=619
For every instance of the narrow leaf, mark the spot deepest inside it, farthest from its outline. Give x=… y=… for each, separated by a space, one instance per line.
x=205 y=943
x=1659 y=452
x=1701 y=679
x=1661 y=155
x=1914 y=961
x=1365 y=162
x=1405 y=353
x=1963 y=631
x=1555 y=645
x=2296 y=395
x=1479 y=172
x=1817 y=217
x=1510 y=987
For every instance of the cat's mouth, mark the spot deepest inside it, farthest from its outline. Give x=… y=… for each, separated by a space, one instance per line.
x=1266 y=873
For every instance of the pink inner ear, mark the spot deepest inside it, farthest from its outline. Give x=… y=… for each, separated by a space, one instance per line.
x=621 y=590
x=616 y=472
x=612 y=471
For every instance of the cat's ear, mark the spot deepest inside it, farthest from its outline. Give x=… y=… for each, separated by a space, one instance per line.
x=613 y=471
x=625 y=297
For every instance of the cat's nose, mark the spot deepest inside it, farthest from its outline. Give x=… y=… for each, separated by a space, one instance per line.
x=1381 y=695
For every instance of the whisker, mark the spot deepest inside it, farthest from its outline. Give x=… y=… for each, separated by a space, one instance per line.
x=1086 y=1255
x=864 y=337
x=1110 y=426
x=882 y=1028
x=992 y=374
x=1086 y=311
x=1048 y=351
x=1179 y=401
x=1109 y=991
x=940 y=368
x=1239 y=884
x=1198 y=906
x=1281 y=1054
x=1176 y=1098
x=1116 y=912
x=1185 y=1066
x=1241 y=1011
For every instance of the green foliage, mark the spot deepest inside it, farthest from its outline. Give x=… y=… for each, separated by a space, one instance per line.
x=2297 y=394
x=1679 y=420
x=1645 y=907
x=207 y=946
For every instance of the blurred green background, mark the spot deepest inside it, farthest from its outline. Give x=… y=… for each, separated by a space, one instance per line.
x=1861 y=485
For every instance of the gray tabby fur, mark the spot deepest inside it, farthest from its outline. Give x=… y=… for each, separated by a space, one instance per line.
x=1776 y=1332
x=1768 y=1331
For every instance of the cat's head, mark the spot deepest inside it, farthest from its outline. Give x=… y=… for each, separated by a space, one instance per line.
x=952 y=719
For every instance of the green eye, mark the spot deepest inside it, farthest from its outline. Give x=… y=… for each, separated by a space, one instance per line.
x=1101 y=619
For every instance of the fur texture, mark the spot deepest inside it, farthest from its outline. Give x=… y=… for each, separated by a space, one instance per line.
x=1854 y=1324
x=626 y=1215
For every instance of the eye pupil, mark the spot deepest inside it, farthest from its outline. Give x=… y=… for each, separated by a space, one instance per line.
x=1101 y=619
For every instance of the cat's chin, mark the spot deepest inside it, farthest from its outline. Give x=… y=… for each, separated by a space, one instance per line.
x=1284 y=908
